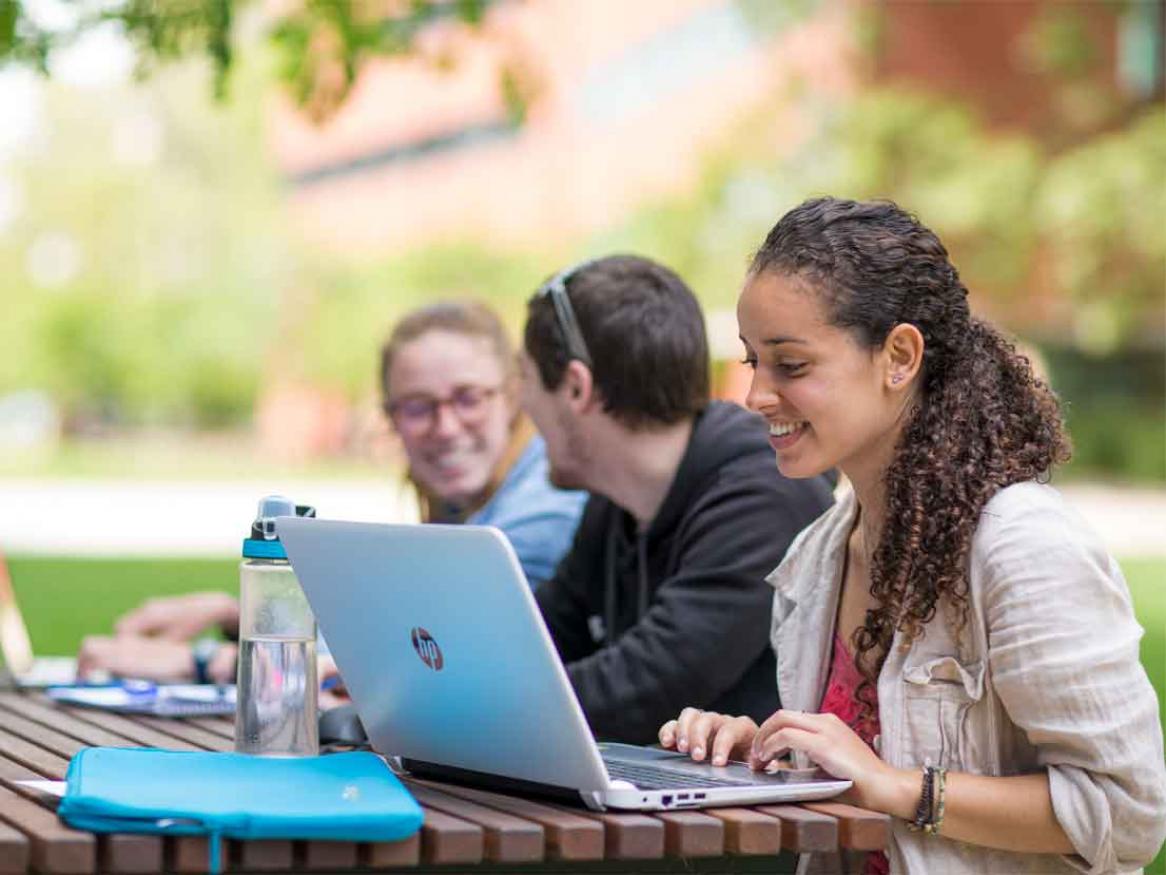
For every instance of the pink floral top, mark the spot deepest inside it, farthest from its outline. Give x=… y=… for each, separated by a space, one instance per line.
x=841 y=685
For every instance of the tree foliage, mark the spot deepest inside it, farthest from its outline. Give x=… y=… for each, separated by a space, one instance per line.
x=321 y=44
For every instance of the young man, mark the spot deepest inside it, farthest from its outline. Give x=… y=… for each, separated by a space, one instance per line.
x=661 y=601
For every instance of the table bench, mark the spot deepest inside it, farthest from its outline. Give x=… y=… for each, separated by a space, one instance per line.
x=464 y=828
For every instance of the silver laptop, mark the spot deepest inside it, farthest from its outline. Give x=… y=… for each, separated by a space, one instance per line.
x=452 y=670
x=18 y=666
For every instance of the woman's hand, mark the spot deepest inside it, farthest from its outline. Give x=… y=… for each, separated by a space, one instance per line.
x=834 y=746
x=700 y=733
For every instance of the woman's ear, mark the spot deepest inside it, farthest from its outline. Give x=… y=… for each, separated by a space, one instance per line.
x=902 y=355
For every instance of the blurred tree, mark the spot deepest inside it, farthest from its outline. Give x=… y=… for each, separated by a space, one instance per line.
x=1101 y=209
x=145 y=260
x=321 y=44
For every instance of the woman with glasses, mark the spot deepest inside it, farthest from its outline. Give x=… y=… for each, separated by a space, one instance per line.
x=449 y=389
x=950 y=636
x=449 y=385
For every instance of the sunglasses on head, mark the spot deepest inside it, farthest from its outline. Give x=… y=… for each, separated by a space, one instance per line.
x=556 y=289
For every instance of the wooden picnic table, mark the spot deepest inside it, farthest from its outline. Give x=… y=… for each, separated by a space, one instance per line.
x=463 y=829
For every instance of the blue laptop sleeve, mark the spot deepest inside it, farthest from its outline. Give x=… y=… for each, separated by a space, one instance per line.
x=342 y=797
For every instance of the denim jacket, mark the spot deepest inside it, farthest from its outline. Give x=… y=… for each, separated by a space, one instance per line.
x=1045 y=676
x=538 y=519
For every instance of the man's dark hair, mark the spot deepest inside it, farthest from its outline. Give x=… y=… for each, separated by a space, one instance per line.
x=645 y=332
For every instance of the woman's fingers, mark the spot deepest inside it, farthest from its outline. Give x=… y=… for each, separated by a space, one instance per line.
x=683 y=727
x=780 y=719
x=704 y=726
x=707 y=734
x=787 y=738
x=667 y=734
x=734 y=733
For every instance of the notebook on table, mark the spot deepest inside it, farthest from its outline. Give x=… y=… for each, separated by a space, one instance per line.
x=145 y=697
x=452 y=670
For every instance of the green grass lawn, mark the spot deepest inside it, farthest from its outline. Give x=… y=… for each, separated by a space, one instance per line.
x=66 y=599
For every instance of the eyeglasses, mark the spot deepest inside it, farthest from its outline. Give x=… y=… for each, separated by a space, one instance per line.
x=556 y=288
x=417 y=414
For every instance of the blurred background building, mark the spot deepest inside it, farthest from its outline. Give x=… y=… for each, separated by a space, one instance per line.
x=185 y=276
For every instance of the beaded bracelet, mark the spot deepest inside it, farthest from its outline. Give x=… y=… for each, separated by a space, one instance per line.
x=932 y=828
x=923 y=809
x=929 y=812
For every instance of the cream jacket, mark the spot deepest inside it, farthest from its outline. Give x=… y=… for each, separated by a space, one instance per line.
x=1046 y=676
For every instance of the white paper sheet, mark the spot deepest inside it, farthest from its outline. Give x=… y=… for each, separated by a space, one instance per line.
x=49 y=788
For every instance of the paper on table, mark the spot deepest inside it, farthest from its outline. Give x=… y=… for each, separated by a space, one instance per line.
x=49 y=788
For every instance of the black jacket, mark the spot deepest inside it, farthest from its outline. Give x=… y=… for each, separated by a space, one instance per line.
x=648 y=624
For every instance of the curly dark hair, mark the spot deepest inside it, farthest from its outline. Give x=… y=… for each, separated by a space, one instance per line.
x=982 y=420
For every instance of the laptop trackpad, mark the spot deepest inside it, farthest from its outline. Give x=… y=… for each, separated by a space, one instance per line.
x=682 y=764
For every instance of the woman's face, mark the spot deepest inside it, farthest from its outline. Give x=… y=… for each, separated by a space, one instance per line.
x=449 y=401
x=823 y=394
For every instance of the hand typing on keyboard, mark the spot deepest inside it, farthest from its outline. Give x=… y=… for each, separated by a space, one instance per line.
x=719 y=737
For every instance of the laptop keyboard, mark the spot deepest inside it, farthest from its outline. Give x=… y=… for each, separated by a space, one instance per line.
x=647 y=777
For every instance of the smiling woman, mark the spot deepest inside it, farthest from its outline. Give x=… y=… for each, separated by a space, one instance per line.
x=950 y=636
x=449 y=387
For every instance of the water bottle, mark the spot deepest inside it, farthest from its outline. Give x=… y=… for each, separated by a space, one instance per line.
x=276 y=711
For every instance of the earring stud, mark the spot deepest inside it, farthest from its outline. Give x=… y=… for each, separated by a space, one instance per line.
x=897 y=378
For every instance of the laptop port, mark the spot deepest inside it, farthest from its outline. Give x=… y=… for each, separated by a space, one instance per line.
x=698 y=796
x=680 y=796
x=666 y=799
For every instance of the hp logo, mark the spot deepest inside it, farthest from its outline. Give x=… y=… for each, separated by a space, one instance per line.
x=427 y=649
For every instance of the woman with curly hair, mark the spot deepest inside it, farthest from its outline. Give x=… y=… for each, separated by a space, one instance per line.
x=950 y=636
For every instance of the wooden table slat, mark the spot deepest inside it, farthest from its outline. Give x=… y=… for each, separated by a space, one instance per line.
x=749 y=832
x=50 y=739
x=449 y=840
x=53 y=847
x=629 y=835
x=858 y=829
x=224 y=727
x=14 y=850
x=132 y=729
x=190 y=854
x=62 y=721
x=46 y=764
x=317 y=856
x=382 y=855
x=185 y=730
x=126 y=854
x=263 y=855
x=508 y=839
x=568 y=835
x=802 y=830
x=692 y=834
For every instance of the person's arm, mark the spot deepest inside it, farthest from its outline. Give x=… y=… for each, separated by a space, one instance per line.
x=1010 y=813
x=181 y=617
x=709 y=622
x=1063 y=658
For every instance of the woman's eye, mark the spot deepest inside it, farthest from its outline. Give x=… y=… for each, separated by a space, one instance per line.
x=791 y=369
x=751 y=363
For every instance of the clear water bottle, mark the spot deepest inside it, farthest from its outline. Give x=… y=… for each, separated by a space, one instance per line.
x=277 y=687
